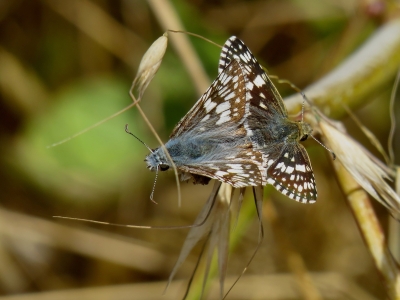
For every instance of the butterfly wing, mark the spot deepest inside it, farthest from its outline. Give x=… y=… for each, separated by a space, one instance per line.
x=291 y=173
x=263 y=93
x=223 y=103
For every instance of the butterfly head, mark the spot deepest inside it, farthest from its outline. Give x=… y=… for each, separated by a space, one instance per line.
x=304 y=130
x=157 y=160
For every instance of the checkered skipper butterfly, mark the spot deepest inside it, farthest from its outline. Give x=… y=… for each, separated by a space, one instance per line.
x=288 y=167
x=211 y=141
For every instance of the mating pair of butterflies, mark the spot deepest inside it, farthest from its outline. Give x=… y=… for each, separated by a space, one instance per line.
x=239 y=133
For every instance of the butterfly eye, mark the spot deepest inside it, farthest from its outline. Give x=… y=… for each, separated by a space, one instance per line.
x=163 y=167
x=304 y=137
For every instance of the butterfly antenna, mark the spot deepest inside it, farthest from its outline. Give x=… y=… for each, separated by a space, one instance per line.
x=154 y=187
x=127 y=131
x=305 y=99
x=333 y=153
x=302 y=106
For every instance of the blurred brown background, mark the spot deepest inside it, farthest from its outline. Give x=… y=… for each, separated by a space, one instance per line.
x=65 y=65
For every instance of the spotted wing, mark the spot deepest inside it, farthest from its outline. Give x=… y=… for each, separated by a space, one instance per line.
x=262 y=92
x=291 y=173
x=239 y=169
x=286 y=161
x=223 y=103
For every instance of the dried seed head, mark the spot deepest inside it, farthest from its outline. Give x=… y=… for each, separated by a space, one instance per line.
x=366 y=169
x=150 y=63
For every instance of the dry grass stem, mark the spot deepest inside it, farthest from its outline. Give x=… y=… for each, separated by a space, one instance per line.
x=169 y=19
x=394 y=224
x=208 y=213
x=371 y=230
x=279 y=286
x=368 y=133
x=86 y=242
x=196 y=35
x=359 y=76
x=92 y=126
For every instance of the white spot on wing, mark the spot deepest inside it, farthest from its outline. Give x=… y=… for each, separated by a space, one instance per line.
x=230 y=96
x=235 y=171
x=300 y=168
x=258 y=81
x=235 y=166
x=225 y=113
x=222 y=107
x=209 y=105
x=249 y=86
x=289 y=170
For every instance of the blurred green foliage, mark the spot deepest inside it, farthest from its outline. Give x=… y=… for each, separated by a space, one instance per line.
x=94 y=160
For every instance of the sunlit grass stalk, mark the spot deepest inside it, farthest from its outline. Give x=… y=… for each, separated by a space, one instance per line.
x=371 y=230
x=364 y=73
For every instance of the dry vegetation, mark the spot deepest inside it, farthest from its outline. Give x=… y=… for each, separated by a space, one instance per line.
x=66 y=65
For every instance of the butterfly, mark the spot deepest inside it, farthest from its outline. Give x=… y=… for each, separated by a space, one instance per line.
x=285 y=160
x=239 y=132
